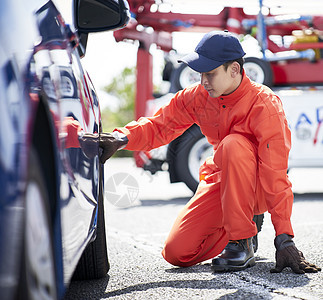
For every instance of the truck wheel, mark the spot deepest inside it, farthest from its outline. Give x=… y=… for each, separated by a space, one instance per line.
x=258 y=70
x=94 y=262
x=38 y=279
x=182 y=77
x=192 y=150
x=259 y=220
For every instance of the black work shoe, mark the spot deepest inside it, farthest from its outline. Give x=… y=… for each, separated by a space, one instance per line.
x=236 y=256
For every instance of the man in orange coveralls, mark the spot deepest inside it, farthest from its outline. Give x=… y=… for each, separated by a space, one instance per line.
x=247 y=175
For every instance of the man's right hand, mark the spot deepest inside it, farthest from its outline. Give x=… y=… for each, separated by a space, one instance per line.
x=110 y=143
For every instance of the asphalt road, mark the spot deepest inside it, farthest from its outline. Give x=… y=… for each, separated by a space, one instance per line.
x=140 y=210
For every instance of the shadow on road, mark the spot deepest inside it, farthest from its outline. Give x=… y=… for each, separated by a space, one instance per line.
x=183 y=200
x=308 y=197
x=178 y=284
x=257 y=278
x=174 y=201
x=84 y=289
x=162 y=202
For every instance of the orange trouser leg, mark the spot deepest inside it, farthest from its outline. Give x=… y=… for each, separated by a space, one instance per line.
x=237 y=158
x=197 y=233
x=222 y=207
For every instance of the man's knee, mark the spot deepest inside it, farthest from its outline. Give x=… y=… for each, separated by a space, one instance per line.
x=174 y=255
x=233 y=142
x=234 y=147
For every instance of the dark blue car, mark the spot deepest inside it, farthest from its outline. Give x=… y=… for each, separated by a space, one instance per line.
x=51 y=182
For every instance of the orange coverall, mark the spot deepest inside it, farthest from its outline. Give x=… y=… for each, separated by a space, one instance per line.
x=247 y=174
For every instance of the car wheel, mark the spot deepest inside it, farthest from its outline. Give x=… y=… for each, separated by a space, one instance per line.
x=38 y=266
x=94 y=262
x=182 y=77
x=192 y=150
x=258 y=70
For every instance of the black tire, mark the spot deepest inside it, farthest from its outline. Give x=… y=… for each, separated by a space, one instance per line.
x=191 y=152
x=168 y=69
x=94 y=262
x=258 y=70
x=38 y=280
x=259 y=220
x=182 y=77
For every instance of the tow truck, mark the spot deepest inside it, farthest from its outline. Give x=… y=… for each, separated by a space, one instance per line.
x=289 y=59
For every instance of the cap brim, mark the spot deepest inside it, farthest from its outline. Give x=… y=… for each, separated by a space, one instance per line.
x=200 y=63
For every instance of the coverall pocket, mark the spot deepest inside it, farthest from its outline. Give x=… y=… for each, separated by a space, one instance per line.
x=278 y=154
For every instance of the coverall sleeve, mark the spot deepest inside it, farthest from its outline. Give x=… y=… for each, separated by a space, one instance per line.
x=274 y=138
x=167 y=124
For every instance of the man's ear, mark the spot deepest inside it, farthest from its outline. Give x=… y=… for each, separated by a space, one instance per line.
x=235 y=69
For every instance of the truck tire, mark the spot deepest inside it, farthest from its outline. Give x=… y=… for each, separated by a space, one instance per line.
x=259 y=220
x=192 y=150
x=258 y=70
x=94 y=262
x=182 y=77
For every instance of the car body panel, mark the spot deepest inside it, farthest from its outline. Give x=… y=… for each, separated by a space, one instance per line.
x=39 y=66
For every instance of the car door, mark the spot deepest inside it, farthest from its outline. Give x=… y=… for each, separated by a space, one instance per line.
x=71 y=103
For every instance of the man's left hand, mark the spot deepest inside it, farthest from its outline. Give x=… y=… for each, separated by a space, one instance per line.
x=287 y=255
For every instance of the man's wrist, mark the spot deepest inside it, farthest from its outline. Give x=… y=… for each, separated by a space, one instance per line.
x=283 y=240
x=122 y=138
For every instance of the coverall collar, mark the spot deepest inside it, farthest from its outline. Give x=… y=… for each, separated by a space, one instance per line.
x=236 y=95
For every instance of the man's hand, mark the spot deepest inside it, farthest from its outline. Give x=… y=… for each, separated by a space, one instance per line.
x=287 y=255
x=110 y=143
x=89 y=143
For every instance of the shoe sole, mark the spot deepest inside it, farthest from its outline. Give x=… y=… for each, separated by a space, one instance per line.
x=228 y=268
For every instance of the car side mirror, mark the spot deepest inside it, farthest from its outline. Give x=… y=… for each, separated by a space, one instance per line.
x=99 y=15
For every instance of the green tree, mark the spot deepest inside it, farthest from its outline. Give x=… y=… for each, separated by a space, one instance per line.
x=123 y=88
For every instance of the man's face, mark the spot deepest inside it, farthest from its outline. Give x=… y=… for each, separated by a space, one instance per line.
x=218 y=81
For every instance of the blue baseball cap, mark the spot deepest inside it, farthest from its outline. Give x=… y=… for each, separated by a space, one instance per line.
x=213 y=50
